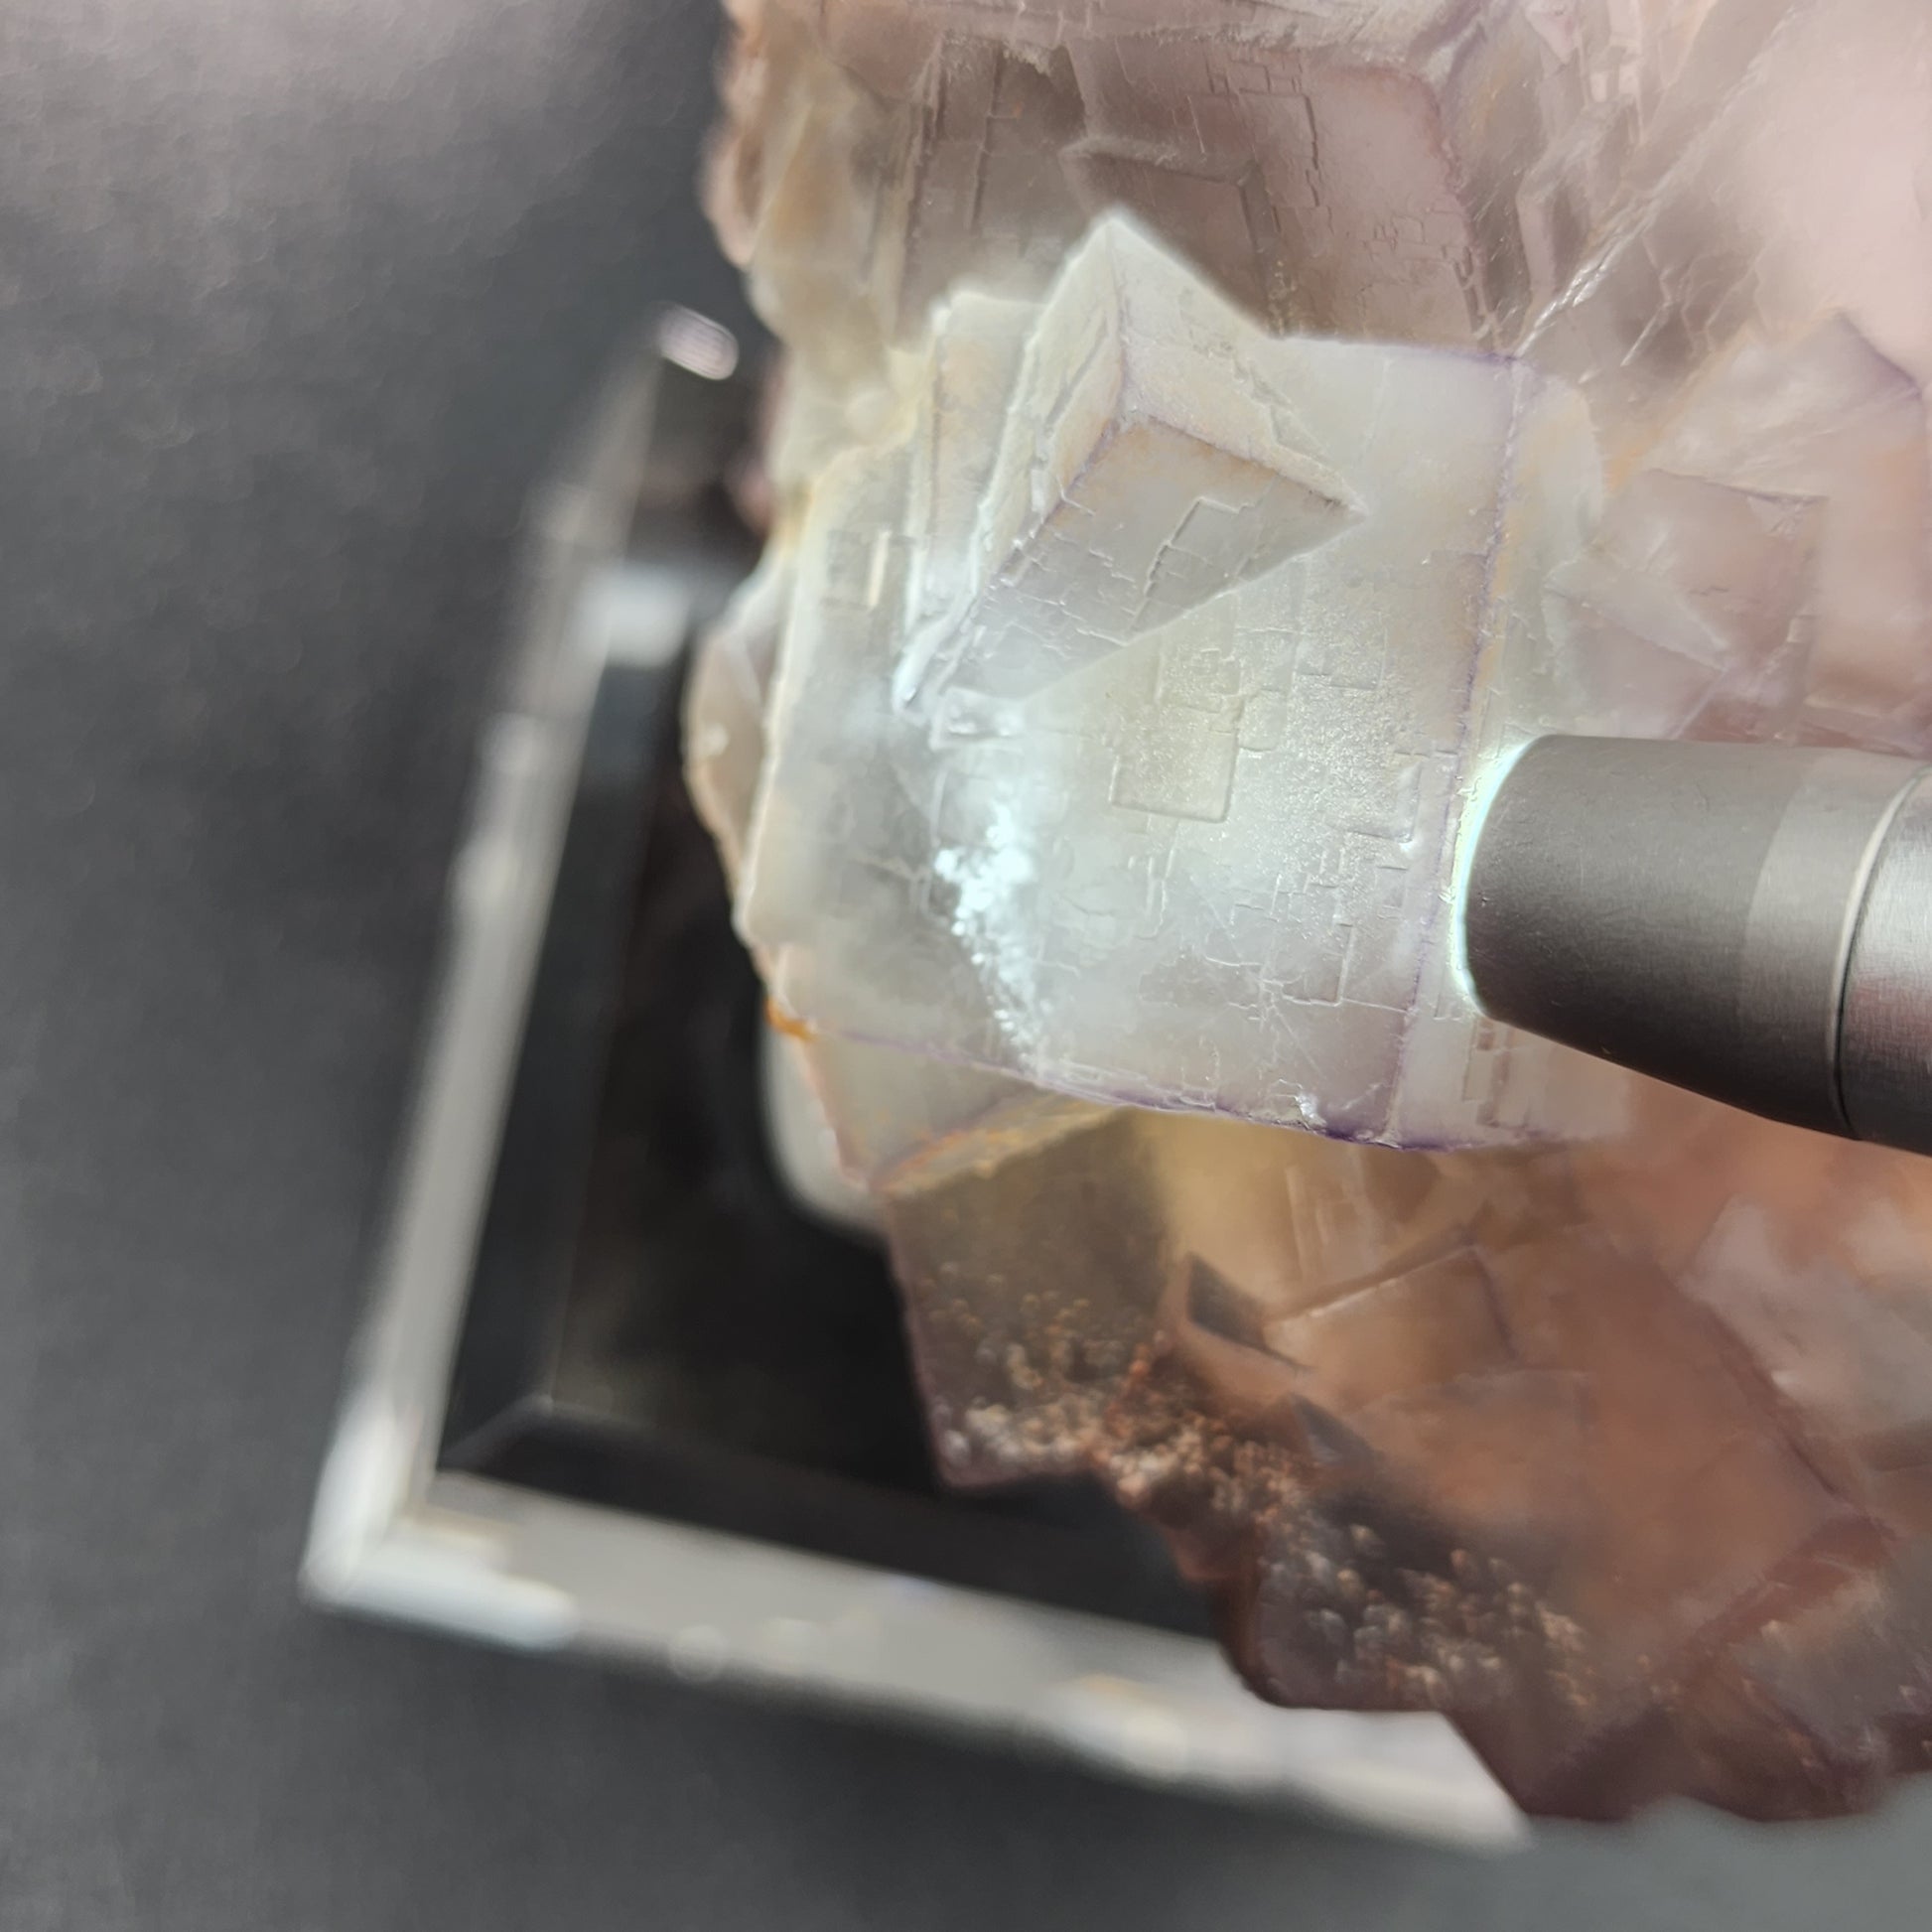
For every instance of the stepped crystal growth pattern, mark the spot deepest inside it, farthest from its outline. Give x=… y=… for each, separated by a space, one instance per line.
x=1213 y=435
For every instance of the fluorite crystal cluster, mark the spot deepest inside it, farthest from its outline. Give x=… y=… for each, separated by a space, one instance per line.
x=1212 y=436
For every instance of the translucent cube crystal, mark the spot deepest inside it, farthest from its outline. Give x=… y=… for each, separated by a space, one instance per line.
x=1141 y=771
x=1137 y=477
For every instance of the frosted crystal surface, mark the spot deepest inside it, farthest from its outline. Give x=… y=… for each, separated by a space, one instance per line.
x=1613 y=1448
x=1131 y=755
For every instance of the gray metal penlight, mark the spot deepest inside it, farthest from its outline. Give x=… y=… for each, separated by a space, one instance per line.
x=1751 y=921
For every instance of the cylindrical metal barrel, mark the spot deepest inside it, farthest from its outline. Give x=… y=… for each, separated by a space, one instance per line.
x=1751 y=921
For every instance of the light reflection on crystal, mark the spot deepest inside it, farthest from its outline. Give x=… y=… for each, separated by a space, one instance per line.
x=1106 y=758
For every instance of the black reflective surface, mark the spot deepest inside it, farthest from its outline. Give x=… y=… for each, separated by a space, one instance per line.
x=653 y=1324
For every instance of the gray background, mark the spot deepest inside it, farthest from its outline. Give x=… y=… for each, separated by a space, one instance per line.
x=295 y=300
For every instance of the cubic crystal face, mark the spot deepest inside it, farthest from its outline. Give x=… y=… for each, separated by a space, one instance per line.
x=1134 y=762
x=1213 y=435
